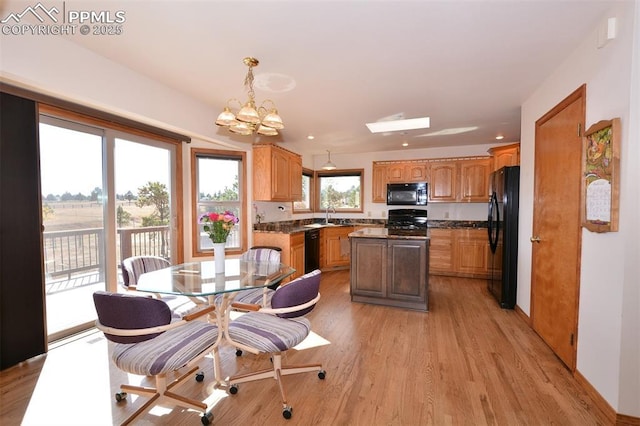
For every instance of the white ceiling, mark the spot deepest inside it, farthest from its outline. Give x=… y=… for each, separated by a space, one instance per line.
x=332 y=66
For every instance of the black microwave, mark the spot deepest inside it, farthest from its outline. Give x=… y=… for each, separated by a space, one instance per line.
x=407 y=194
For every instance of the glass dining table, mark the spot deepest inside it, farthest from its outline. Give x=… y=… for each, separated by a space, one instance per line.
x=204 y=285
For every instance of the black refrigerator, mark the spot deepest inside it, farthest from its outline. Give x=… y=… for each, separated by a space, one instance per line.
x=504 y=187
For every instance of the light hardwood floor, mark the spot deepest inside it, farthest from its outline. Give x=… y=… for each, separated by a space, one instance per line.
x=465 y=362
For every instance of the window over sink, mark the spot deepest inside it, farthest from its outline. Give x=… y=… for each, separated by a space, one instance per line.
x=340 y=190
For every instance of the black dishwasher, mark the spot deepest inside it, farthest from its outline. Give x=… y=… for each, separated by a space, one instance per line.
x=311 y=250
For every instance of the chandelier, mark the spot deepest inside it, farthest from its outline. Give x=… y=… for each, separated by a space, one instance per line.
x=263 y=120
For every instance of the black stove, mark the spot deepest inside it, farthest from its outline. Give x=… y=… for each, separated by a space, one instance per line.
x=407 y=222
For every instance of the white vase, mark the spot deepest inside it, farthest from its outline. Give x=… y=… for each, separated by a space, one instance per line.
x=218 y=256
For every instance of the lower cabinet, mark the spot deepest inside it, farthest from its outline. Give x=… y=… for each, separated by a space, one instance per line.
x=335 y=247
x=390 y=272
x=292 y=246
x=459 y=252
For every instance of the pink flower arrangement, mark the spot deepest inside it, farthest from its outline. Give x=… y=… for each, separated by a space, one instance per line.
x=218 y=225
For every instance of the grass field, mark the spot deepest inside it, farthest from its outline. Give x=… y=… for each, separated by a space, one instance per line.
x=69 y=215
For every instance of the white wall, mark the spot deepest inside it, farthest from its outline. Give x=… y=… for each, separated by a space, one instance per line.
x=609 y=264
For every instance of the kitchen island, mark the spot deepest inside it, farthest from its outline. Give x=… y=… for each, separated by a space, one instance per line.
x=390 y=268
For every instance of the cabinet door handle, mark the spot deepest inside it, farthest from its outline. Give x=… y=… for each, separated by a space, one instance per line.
x=535 y=239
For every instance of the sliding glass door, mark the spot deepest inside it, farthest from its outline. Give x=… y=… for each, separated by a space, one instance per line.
x=106 y=195
x=71 y=176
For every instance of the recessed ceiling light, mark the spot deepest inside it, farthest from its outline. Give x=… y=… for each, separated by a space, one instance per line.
x=396 y=125
x=405 y=144
x=499 y=137
x=311 y=137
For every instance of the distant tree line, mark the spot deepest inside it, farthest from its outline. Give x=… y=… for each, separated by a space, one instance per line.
x=95 y=195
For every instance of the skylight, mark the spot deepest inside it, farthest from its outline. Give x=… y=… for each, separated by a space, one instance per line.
x=398 y=125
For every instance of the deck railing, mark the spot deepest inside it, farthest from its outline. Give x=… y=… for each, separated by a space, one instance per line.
x=81 y=250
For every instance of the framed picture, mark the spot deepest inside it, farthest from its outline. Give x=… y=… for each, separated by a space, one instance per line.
x=600 y=180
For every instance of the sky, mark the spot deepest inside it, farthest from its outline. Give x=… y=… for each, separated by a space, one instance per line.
x=71 y=161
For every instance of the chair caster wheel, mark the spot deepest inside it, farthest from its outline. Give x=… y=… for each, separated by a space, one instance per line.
x=238 y=352
x=287 y=412
x=199 y=377
x=121 y=396
x=322 y=374
x=206 y=418
x=233 y=389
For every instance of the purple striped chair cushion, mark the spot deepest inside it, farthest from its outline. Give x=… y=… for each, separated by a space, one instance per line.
x=268 y=333
x=133 y=267
x=169 y=351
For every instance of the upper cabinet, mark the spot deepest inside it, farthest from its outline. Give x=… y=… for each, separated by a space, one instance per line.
x=451 y=180
x=474 y=180
x=379 y=183
x=460 y=180
x=396 y=172
x=277 y=174
x=443 y=181
x=407 y=171
x=506 y=155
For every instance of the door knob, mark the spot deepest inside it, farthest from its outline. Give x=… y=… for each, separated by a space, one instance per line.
x=535 y=239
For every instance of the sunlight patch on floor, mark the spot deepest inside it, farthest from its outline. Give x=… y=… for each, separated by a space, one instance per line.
x=313 y=340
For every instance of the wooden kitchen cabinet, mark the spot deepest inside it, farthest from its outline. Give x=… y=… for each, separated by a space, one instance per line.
x=460 y=180
x=336 y=243
x=506 y=155
x=451 y=180
x=459 y=252
x=441 y=251
x=379 y=183
x=407 y=171
x=277 y=174
x=390 y=272
x=292 y=246
x=443 y=181
x=474 y=180
x=471 y=252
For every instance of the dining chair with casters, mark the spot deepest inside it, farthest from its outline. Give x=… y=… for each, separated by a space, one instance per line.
x=266 y=255
x=277 y=329
x=133 y=267
x=148 y=343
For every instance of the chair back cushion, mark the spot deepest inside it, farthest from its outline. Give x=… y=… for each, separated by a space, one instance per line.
x=262 y=254
x=129 y=312
x=299 y=291
x=133 y=267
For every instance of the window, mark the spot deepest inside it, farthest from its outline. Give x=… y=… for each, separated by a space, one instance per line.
x=304 y=205
x=218 y=186
x=340 y=190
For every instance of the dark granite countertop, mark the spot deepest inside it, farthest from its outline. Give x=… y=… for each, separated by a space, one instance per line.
x=294 y=226
x=385 y=233
x=456 y=224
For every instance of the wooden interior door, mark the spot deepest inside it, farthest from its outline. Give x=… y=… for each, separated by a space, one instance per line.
x=555 y=279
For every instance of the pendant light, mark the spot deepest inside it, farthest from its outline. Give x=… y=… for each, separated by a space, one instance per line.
x=329 y=165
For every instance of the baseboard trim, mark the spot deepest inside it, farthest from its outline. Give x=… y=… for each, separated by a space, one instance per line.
x=600 y=403
x=598 y=400
x=522 y=315
x=624 y=420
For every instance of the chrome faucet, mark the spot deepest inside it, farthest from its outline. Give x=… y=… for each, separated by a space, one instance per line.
x=326 y=218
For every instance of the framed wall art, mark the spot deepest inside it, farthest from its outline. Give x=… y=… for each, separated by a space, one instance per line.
x=601 y=176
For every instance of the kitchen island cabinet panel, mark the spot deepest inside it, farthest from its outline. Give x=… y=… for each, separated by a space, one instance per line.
x=389 y=271
x=408 y=267
x=367 y=271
